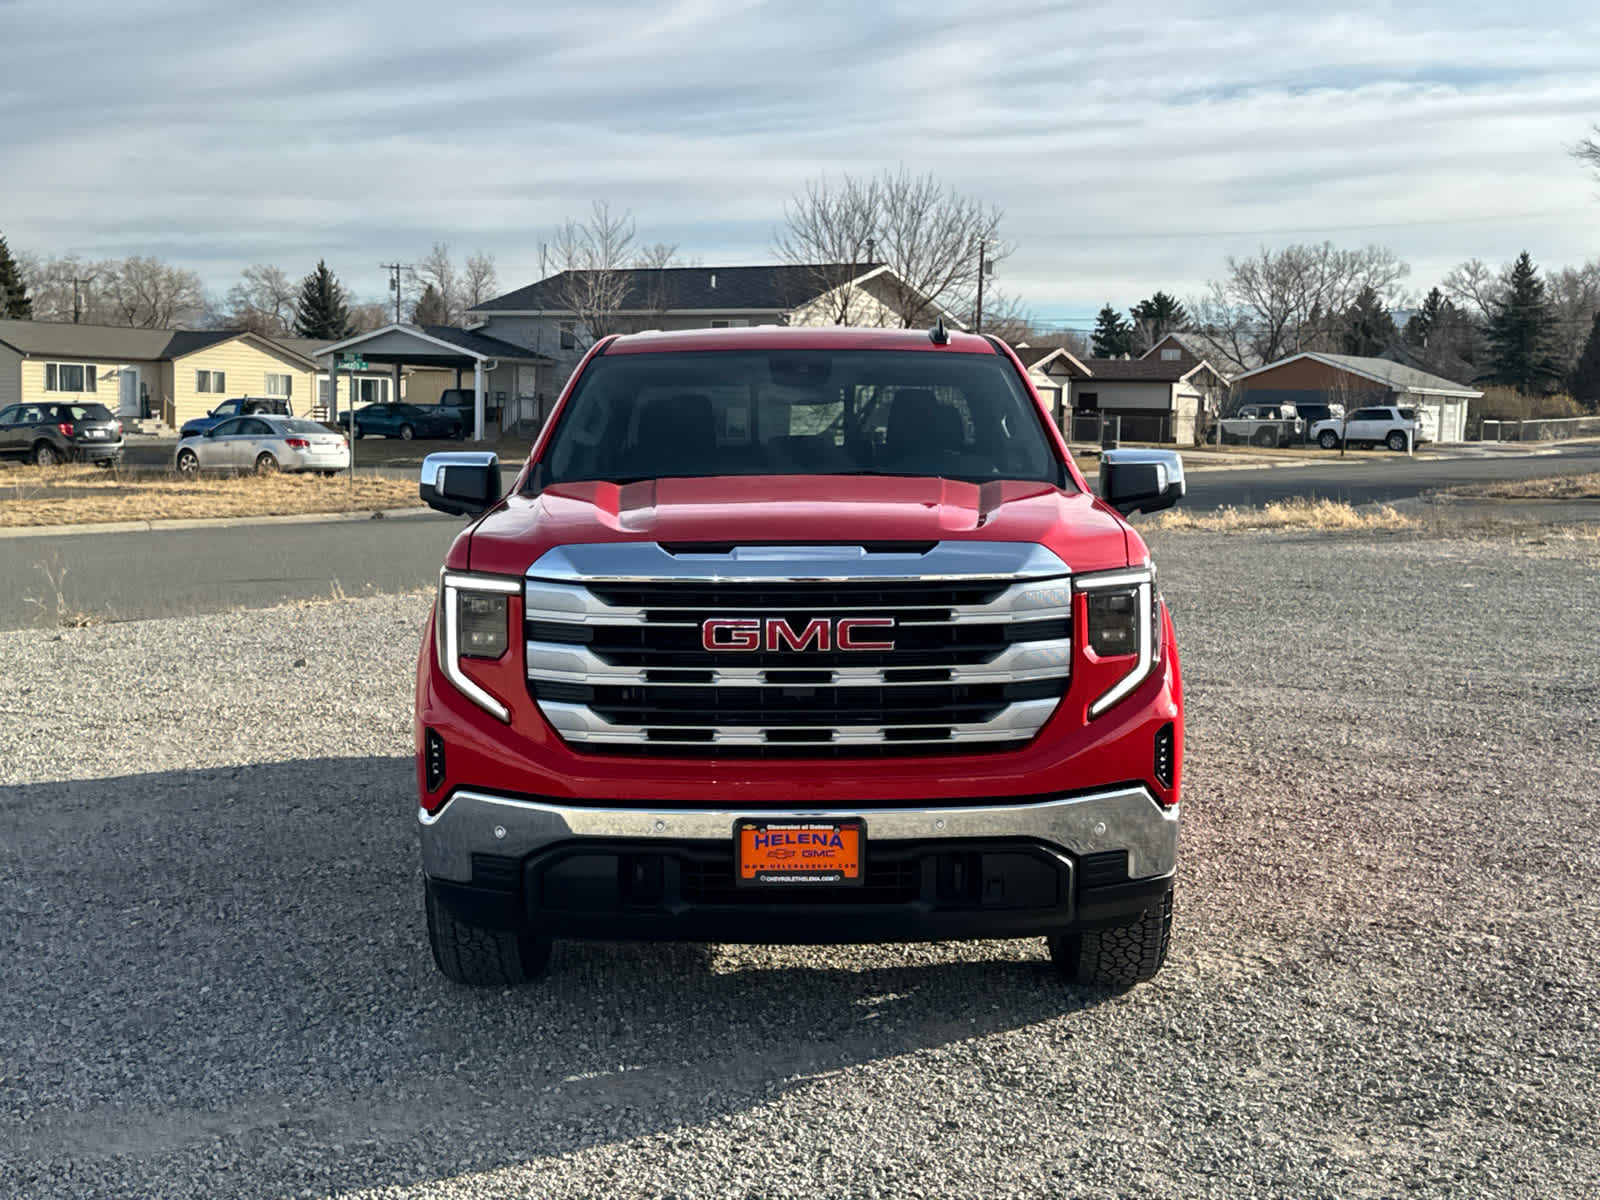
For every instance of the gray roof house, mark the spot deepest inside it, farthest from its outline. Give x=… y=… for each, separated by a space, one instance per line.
x=544 y=317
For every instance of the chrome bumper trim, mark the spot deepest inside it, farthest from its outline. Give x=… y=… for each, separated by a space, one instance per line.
x=1128 y=819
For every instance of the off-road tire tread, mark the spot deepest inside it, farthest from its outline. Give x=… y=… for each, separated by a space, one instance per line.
x=1117 y=958
x=478 y=957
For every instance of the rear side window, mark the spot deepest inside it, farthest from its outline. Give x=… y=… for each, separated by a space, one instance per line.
x=1409 y=414
x=800 y=412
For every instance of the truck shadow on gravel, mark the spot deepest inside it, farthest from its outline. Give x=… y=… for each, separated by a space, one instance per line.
x=219 y=978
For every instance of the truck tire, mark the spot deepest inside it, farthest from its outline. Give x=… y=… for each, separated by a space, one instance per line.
x=1265 y=436
x=480 y=957
x=1328 y=439
x=1397 y=440
x=1117 y=958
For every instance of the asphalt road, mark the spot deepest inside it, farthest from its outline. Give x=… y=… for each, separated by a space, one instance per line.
x=138 y=574
x=1368 y=476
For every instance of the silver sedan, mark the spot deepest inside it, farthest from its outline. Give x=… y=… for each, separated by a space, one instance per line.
x=265 y=445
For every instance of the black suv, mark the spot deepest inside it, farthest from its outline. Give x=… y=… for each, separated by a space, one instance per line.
x=47 y=434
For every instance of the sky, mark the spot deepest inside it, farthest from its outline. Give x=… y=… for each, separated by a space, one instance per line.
x=1132 y=146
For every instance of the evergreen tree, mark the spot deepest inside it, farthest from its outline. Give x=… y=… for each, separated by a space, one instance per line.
x=1156 y=317
x=324 y=310
x=1369 y=330
x=1586 y=375
x=1113 y=336
x=15 y=303
x=431 y=308
x=1521 y=335
x=1426 y=319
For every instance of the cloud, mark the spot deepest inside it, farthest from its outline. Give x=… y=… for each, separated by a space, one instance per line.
x=1131 y=148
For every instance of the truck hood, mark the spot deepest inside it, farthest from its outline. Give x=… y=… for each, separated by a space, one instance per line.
x=745 y=510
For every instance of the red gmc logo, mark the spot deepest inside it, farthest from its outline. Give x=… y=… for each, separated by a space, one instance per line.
x=774 y=633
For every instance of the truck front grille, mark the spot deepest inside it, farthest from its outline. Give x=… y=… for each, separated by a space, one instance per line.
x=976 y=664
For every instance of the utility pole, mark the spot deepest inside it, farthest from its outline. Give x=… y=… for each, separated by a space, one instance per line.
x=983 y=248
x=77 y=308
x=394 y=270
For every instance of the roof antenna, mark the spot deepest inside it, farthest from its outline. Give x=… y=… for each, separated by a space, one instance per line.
x=939 y=335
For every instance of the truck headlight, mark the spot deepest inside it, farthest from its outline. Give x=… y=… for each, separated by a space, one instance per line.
x=481 y=620
x=473 y=622
x=1121 y=624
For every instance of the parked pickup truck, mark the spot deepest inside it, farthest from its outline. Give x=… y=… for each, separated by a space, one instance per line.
x=1263 y=425
x=239 y=406
x=799 y=635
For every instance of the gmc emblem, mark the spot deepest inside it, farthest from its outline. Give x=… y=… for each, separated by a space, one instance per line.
x=774 y=633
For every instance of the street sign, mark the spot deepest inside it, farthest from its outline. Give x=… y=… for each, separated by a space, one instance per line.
x=349 y=362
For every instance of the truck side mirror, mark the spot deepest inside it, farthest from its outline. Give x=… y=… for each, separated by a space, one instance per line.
x=463 y=483
x=1141 y=480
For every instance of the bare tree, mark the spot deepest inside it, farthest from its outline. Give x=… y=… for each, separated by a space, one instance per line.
x=1005 y=316
x=1574 y=294
x=832 y=233
x=1280 y=302
x=932 y=239
x=67 y=289
x=374 y=314
x=478 y=281
x=436 y=271
x=1070 y=340
x=262 y=301
x=935 y=241
x=593 y=258
x=1588 y=151
x=1476 y=288
x=148 y=293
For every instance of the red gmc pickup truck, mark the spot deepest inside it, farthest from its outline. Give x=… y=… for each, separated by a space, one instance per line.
x=799 y=635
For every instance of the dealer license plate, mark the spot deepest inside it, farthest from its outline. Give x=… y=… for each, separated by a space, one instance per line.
x=799 y=853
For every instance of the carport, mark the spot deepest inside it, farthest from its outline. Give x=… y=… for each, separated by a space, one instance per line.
x=433 y=346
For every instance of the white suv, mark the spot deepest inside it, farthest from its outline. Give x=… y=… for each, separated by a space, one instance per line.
x=1383 y=426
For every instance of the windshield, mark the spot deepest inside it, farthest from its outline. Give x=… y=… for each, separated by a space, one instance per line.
x=649 y=416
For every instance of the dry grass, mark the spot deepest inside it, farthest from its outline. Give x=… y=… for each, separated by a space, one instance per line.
x=75 y=495
x=1556 y=487
x=1288 y=514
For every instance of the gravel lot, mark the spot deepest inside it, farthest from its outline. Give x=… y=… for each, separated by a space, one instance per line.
x=213 y=980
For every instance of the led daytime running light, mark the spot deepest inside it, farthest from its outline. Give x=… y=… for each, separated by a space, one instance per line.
x=1142 y=581
x=451 y=586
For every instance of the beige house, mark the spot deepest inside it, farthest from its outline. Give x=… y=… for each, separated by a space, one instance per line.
x=1051 y=370
x=157 y=374
x=1159 y=399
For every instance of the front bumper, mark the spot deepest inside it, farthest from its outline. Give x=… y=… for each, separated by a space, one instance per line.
x=992 y=870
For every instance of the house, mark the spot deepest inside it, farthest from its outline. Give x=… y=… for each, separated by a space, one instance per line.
x=168 y=375
x=542 y=318
x=1160 y=398
x=1050 y=370
x=1354 y=381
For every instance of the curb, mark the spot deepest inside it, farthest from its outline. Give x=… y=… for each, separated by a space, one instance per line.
x=35 y=531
